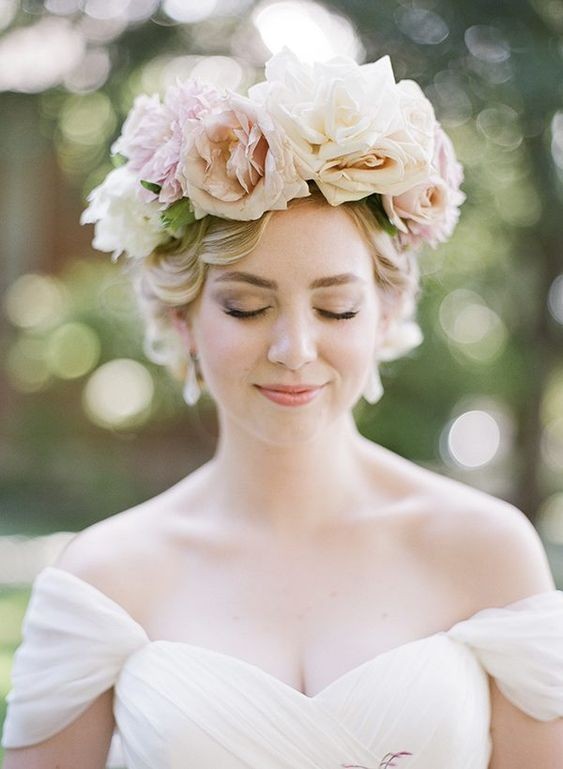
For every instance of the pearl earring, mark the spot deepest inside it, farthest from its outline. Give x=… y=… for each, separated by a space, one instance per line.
x=373 y=389
x=191 y=391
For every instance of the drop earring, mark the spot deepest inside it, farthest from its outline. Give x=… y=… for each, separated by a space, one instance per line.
x=191 y=391
x=373 y=389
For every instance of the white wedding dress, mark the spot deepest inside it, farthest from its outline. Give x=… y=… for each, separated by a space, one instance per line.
x=182 y=706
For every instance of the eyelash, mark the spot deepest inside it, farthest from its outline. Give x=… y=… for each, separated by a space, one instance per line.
x=331 y=315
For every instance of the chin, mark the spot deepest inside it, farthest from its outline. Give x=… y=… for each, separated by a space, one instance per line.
x=295 y=429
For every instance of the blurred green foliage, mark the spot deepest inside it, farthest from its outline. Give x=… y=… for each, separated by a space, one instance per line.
x=492 y=72
x=13 y=603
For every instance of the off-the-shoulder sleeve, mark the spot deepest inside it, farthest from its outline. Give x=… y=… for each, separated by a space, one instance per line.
x=74 y=643
x=521 y=646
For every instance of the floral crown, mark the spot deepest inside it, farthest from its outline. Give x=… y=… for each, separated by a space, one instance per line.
x=350 y=129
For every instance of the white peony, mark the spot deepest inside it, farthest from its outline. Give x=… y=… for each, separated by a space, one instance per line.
x=122 y=221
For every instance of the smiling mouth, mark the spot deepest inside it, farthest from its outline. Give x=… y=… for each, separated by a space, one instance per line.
x=291 y=397
x=290 y=388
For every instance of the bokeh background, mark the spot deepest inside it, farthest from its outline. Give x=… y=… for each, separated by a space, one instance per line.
x=90 y=427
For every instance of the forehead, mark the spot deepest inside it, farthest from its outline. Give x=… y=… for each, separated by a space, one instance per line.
x=305 y=244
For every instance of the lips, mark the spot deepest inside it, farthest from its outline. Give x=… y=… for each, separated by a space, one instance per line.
x=291 y=395
x=289 y=388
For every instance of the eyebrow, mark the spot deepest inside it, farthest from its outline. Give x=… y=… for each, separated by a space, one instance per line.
x=256 y=280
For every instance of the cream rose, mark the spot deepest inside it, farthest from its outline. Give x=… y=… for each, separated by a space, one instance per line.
x=236 y=163
x=354 y=130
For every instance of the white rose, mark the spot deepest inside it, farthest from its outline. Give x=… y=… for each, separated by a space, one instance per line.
x=354 y=130
x=122 y=221
x=418 y=116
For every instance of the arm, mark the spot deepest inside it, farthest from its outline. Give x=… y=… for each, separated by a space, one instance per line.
x=491 y=555
x=497 y=557
x=521 y=569
x=520 y=741
x=84 y=743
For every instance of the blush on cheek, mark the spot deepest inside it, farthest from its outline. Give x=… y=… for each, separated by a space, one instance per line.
x=358 y=366
x=228 y=355
x=359 y=348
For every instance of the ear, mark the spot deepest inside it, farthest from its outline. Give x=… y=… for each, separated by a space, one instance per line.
x=182 y=326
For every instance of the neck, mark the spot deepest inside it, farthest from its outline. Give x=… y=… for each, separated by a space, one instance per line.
x=290 y=489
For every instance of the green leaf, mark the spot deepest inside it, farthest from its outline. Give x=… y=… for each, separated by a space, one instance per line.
x=179 y=214
x=118 y=160
x=152 y=186
x=375 y=203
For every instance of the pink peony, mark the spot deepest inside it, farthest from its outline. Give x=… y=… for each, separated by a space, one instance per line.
x=236 y=162
x=143 y=131
x=152 y=135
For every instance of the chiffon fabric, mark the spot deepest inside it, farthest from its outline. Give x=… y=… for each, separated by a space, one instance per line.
x=182 y=706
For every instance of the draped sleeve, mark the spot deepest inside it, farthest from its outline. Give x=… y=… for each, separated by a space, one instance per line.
x=521 y=646
x=74 y=644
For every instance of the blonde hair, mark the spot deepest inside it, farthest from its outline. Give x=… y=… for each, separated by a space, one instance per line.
x=172 y=276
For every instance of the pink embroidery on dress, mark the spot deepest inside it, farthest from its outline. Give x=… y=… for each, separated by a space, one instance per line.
x=388 y=758
x=385 y=763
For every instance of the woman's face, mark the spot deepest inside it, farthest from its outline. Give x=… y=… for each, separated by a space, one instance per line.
x=310 y=267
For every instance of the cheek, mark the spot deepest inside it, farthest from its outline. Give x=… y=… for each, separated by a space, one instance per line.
x=353 y=343
x=227 y=345
x=352 y=352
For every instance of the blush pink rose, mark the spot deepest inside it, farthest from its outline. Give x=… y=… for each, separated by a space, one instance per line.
x=447 y=164
x=430 y=211
x=424 y=204
x=236 y=163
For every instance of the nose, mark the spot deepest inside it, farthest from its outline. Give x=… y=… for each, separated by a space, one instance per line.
x=293 y=341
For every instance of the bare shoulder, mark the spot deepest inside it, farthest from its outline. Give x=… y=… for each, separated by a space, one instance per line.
x=112 y=553
x=127 y=555
x=486 y=545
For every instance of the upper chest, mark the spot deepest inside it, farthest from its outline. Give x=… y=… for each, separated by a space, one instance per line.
x=305 y=612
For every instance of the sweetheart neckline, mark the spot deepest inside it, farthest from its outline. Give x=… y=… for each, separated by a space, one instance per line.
x=240 y=662
x=297 y=693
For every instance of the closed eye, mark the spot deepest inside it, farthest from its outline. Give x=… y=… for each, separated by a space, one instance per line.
x=255 y=313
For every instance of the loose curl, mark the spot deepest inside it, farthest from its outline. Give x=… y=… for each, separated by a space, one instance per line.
x=172 y=276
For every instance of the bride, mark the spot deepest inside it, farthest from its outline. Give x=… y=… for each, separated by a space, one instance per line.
x=307 y=599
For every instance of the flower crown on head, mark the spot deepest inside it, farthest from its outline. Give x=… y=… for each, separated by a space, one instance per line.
x=351 y=129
